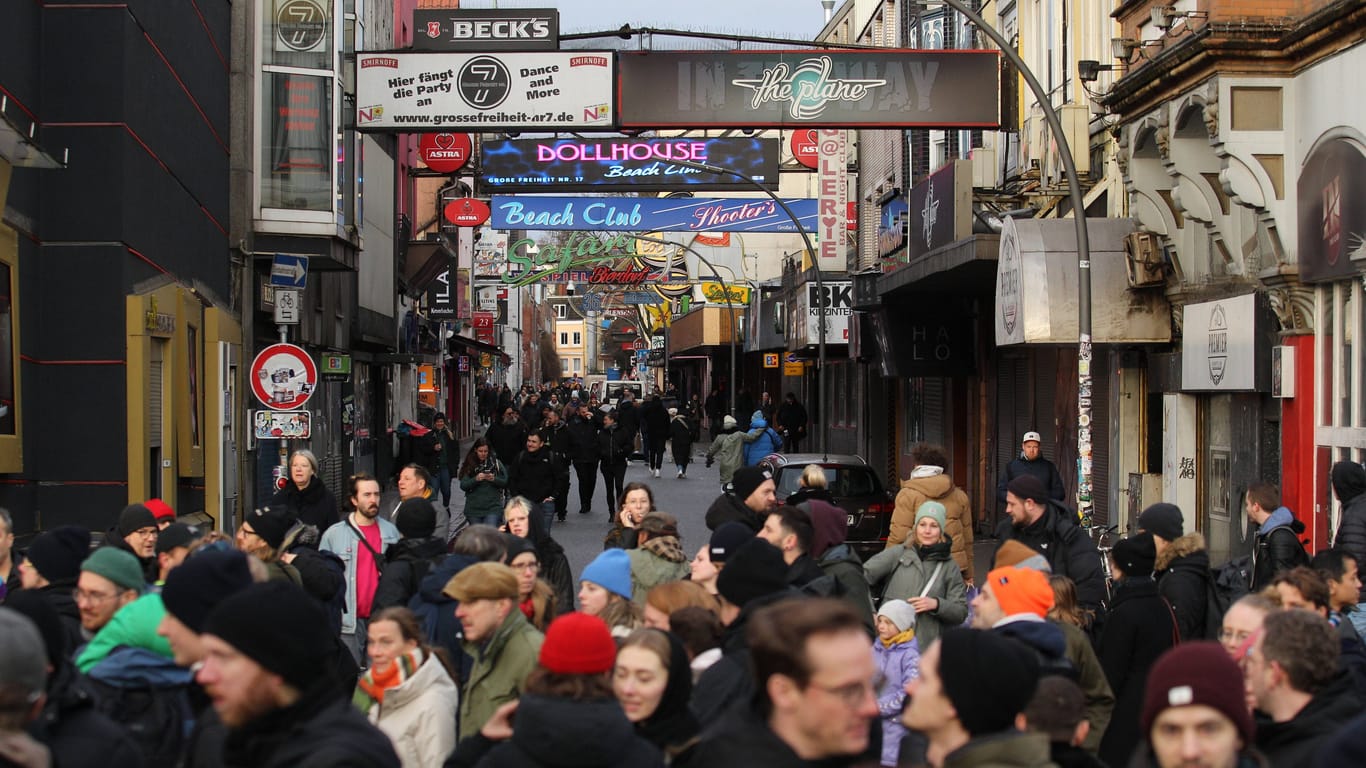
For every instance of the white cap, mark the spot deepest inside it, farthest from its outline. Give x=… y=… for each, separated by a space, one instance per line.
x=1031 y=436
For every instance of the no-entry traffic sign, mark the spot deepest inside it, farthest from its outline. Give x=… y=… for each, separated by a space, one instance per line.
x=283 y=377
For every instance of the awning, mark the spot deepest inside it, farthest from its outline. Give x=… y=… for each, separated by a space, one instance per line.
x=965 y=266
x=475 y=346
x=423 y=262
x=1036 y=286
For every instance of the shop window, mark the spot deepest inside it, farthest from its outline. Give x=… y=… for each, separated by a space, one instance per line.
x=296 y=142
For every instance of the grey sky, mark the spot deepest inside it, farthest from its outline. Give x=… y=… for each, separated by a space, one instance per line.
x=795 y=19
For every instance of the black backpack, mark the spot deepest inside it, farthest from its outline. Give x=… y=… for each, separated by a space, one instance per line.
x=1225 y=585
x=158 y=718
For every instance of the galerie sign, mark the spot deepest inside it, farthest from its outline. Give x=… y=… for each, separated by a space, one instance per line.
x=640 y=164
x=848 y=89
x=641 y=214
x=405 y=92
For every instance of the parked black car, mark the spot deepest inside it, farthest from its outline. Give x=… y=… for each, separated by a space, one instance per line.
x=855 y=487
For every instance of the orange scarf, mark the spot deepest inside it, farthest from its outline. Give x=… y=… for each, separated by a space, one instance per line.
x=376 y=681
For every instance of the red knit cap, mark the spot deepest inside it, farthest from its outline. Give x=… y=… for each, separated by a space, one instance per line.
x=1197 y=673
x=160 y=509
x=1021 y=590
x=578 y=644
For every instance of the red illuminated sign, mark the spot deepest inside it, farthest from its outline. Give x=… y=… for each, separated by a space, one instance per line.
x=467 y=212
x=803 y=143
x=445 y=152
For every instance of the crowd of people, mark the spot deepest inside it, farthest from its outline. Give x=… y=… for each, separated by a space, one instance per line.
x=362 y=636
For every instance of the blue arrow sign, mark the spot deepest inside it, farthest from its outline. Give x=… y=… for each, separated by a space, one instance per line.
x=288 y=271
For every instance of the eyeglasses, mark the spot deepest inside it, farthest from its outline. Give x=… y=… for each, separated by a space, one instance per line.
x=854 y=694
x=145 y=533
x=1234 y=636
x=528 y=567
x=80 y=596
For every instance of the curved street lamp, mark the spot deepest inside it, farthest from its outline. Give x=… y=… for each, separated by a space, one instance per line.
x=820 y=284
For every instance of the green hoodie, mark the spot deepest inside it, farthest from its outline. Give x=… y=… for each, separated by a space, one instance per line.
x=134 y=625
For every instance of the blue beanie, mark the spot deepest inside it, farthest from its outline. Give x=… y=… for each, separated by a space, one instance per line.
x=612 y=571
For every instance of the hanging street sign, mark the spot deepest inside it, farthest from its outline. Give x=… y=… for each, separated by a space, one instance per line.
x=289 y=271
x=283 y=377
x=771 y=359
x=445 y=152
x=286 y=306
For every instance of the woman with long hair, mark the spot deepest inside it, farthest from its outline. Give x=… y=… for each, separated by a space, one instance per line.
x=637 y=501
x=483 y=478
x=921 y=571
x=1065 y=608
x=554 y=564
x=535 y=598
x=304 y=495
x=605 y=592
x=567 y=714
x=653 y=682
x=408 y=692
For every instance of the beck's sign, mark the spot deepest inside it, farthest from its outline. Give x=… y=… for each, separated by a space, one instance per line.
x=644 y=165
x=416 y=92
x=486 y=29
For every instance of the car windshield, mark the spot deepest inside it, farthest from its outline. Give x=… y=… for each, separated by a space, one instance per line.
x=841 y=481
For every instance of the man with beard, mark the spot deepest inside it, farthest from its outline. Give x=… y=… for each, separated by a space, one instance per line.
x=110 y=579
x=507 y=436
x=1040 y=523
x=273 y=690
x=360 y=541
x=538 y=474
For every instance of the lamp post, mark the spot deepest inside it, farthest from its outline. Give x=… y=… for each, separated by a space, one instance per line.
x=730 y=307
x=820 y=284
x=1084 y=469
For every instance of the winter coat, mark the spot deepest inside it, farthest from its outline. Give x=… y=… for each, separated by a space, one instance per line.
x=506 y=440
x=1183 y=579
x=58 y=595
x=147 y=693
x=1047 y=639
x=1008 y=749
x=323 y=576
x=628 y=418
x=559 y=441
x=436 y=611
x=898 y=665
x=958 y=522
x=501 y=664
x=344 y=541
x=656 y=422
x=621 y=537
x=554 y=563
x=730 y=679
x=760 y=441
x=1069 y=551
x=76 y=732
x=1045 y=470
x=151 y=570
x=792 y=419
x=614 y=446
x=728 y=449
x=659 y=560
x=1349 y=486
x=449 y=457
x=804 y=571
x=583 y=438
x=745 y=739
x=418 y=715
x=906 y=570
x=1138 y=629
x=538 y=476
x=320 y=730
x=1277 y=547
x=484 y=498
x=1297 y=741
x=1090 y=676
x=406 y=563
x=680 y=441
x=841 y=563
x=726 y=508
x=565 y=733
x=314 y=505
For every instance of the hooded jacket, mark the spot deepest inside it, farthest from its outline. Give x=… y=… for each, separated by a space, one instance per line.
x=538 y=476
x=418 y=715
x=898 y=664
x=1349 y=486
x=583 y=437
x=728 y=450
x=1183 y=579
x=555 y=568
x=929 y=483
x=148 y=694
x=76 y=732
x=1047 y=640
x=907 y=570
x=730 y=680
x=314 y=505
x=659 y=560
x=501 y=664
x=406 y=563
x=760 y=441
x=1069 y=551
x=726 y=508
x=321 y=730
x=567 y=733
x=1277 y=547
x=841 y=563
x=1297 y=741
x=614 y=445
x=437 y=612
x=1138 y=629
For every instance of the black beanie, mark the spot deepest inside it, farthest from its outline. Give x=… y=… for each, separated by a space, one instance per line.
x=135 y=517
x=57 y=554
x=415 y=518
x=1136 y=556
x=747 y=479
x=271 y=524
x=278 y=626
x=755 y=570
x=727 y=539
x=195 y=586
x=1163 y=519
x=988 y=677
x=1028 y=487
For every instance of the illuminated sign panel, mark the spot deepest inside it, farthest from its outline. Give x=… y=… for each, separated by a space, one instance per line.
x=644 y=165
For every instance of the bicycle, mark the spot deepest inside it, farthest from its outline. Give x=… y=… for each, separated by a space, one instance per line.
x=1101 y=537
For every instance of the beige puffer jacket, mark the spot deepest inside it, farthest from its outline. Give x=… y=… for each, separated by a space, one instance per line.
x=958 y=518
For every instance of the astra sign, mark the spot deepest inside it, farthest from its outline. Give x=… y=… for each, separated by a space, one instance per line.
x=848 y=89
x=644 y=165
x=648 y=214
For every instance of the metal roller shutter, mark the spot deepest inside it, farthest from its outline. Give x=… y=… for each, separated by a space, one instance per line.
x=1100 y=444
x=154 y=393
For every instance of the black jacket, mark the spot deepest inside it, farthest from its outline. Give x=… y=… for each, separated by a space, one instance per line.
x=506 y=441
x=628 y=417
x=559 y=441
x=78 y=735
x=726 y=508
x=1297 y=741
x=151 y=570
x=656 y=421
x=614 y=445
x=58 y=595
x=322 y=729
x=406 y=563
x=1183 y=578
x=1349 y=485
x=583 y=439
x=1067 y=548
x=803 y=571
x=792 y=418
x=745 y=739
x=564 y=733
x=1042 y=468
x=680 y=441
x=314 y=505
x=1277 y=548
x=731 y=679
x=538 y=476
x=1138 y=628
